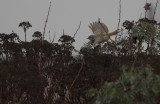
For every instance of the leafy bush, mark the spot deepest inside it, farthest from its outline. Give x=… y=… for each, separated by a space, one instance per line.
x=137 y=86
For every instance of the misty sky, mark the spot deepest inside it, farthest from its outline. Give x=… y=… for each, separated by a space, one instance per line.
x=65 y=14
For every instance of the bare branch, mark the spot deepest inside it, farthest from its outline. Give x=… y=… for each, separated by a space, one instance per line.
x=54 y=37
x=49 y=37
x=63 y=31
x=51 y=41
x=46 y=22
x=77 y=30
x=119 y=14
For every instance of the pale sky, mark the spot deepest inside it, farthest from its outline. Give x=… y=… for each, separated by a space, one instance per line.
x=66 y=14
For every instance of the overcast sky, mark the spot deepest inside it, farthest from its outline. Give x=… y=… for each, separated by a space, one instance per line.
x=65 y=14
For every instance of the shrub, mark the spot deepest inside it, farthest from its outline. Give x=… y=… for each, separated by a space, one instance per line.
x=137 y=86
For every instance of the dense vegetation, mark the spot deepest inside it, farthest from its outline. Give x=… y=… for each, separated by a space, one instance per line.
x=124 y=71
x=42 y=72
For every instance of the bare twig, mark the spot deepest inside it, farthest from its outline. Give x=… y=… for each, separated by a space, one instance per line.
x=119 y=20
x=53 y=37
x=155 y=10
x=46 y=22
x=49 y=37
x=63 y=31
x=77 y=30
x=51 y=41
x=119 y=14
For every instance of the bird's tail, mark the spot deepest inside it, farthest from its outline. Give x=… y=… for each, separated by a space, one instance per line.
x=114 y=32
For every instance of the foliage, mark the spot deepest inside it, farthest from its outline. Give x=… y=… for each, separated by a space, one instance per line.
x=137 y=86
x=37 y=35
x=142 y=36
x=26 y=67
x=25 y=25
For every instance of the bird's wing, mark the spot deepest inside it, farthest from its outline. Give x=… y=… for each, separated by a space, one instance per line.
x=98 y=28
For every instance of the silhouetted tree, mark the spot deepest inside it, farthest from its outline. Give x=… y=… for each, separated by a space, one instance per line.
x=37 y=35
x=25 y=25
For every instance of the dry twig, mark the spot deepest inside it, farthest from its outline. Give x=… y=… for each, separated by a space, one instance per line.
x=46 y=23
x=53 y=37
x=49 y=37
x=63 y=31
x=77 y=30
x=119 y=14
x=51 y=41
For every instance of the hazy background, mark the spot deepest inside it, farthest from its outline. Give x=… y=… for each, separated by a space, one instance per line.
x=65 y=14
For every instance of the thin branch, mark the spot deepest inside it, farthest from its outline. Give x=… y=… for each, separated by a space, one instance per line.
x=46 y=22
x=49 y=37
x=119 y=14
x=77 y=30
x=63 y=31
x=53 y=37
x=155 y=10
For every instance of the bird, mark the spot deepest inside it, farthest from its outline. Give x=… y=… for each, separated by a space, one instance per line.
x=100 y=32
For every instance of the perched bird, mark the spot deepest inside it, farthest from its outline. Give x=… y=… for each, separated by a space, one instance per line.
x=100 y=33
